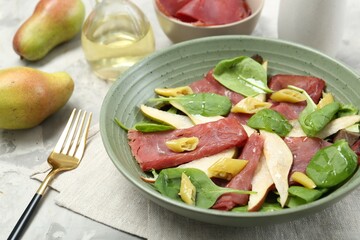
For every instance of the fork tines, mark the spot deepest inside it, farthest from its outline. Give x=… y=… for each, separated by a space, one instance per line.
x=73 y=139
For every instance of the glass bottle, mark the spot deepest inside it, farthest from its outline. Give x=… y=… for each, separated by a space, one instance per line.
x=115 y=36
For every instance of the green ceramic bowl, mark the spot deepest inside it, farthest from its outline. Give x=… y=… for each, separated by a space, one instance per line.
x=189 y=61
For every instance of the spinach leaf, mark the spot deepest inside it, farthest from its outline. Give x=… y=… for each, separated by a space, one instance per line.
x=266 y=207
x=306 y=194
x=205 y=104
x=270 y=207
x=319 y=118
x=300 y=195
x=242 y=75
x=347 y=110
x=312 y=119
x=293 y=201
x=240 y=209
x=332 y=165
x=146 y=126
x=152 y=127
x=271 y=121
x=168 y=184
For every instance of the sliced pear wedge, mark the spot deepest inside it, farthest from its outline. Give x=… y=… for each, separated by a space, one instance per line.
x=261 y=183
x=279 y=160
x=296 y=130
x=175 y=120
x=248 y=130
x=335 y=125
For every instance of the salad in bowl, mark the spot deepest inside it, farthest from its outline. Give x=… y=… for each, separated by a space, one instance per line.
x=219 y=135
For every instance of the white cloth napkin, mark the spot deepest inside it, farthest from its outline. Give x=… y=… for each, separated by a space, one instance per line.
x=97 y=190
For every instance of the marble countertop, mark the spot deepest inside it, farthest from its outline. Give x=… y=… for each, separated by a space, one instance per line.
x=21 y=151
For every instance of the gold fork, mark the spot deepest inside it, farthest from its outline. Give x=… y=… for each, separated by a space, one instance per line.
x=66 y=156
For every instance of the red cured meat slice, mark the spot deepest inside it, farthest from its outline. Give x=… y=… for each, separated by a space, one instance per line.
x=356 y=148
x=241 y=117
x=209 y=84
x=170 y=7
x=210 y=12
x=303 y=149
x=150 y=151
x=312 y=85
x=289 y=110
x=252 y=152
x=205 y=12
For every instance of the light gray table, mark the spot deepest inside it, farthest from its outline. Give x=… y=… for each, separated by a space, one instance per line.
x=22 y=150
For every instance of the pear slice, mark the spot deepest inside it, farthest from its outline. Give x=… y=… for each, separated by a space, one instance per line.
x=335 y=125
x=279 y=160
x=261 y=183
x=248 y=130
x=204 y=163
x=296 y=130
x=175 y=120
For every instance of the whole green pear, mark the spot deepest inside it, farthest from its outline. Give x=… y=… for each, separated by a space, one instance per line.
x=52 y=23
x=28 y=96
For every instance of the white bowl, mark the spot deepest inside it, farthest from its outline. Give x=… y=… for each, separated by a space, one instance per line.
x=178 y=31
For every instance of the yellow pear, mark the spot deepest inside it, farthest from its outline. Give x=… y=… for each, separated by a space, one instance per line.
x=28 y=96
x=52 y=23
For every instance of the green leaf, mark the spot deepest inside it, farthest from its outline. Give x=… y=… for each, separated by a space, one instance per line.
x=270 y=207
x=299 y=195
x=169 y=180
x=242 y=75
x=205 y=104
x=293 y=201
x=347 y=110
x=152 y=127
x=308 y=195
x=120 y=124
x=240 y=209
x=271 y=121
x=310 y=107
x=332 y=165
x=318 y=119
x=266 y=207
x=312 y=119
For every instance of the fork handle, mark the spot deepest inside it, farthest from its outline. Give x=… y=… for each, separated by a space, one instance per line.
x=25 y=217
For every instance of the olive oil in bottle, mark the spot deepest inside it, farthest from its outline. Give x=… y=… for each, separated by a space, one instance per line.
x=115 y=36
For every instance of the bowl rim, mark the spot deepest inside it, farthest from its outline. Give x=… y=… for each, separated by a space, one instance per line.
x=170 y=203
x=176 y=21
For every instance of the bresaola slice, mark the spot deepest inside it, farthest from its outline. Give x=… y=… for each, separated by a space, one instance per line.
x=210 y=12
x=290 y=111
x=205 y=12
x=252 y=152
x=150 y=151
x=171 y=7
x=356 y=148
x=303 y=149
x=312 y=85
